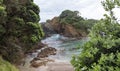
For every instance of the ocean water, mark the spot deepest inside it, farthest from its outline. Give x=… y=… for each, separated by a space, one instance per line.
x=66 y=47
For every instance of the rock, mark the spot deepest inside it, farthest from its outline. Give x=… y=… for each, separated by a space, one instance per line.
x=48 y=29
x=46 y=52
x=41 y=45
x=70 y=31
x=41 y=57
x=41 y=62
x=66 y=30
x=55 y=24
x=36 y=47
x=37 y=64
x=35 y=59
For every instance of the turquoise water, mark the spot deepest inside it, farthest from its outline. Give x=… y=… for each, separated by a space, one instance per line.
x=66 y=47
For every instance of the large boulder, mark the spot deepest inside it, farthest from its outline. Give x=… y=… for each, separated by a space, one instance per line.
x=46 y=52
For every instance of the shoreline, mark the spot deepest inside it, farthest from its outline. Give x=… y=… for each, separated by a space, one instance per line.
x=54 y=56
x=57 y=65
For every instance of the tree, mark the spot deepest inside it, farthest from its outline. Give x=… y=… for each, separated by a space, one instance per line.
x=102 y=51
x=19 y=28
x=69 y=17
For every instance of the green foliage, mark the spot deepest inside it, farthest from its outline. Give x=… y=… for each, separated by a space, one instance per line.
x=2 y=14
x=69 y=17
x=102 y=51
x=34 y=7
x=1 y=1
x=2 y=30
x=6 y=66
x=73 y=18
x=19 y=28
x=32 y=16
x=2 y=9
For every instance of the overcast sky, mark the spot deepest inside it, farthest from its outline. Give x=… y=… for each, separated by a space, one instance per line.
x=87 y=8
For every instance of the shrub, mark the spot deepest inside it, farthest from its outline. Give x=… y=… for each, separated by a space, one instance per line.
x=6 y=66
x=102 y=51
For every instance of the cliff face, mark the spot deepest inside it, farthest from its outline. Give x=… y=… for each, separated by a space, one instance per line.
x=70 y=31
x=65 y=29
x=48 y=29
x=70 y=24
x=55 y=24
x=19 y=28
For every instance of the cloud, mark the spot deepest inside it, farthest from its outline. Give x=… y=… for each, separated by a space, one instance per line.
x=87 y=8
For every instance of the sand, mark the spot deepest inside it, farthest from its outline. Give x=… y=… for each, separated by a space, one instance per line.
x=52 y=66
x=57 y=66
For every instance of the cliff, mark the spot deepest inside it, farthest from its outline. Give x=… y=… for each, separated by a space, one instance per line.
x=64 y=29
x=69 y=24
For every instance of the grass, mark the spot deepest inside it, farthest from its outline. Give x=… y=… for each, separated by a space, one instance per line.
x=6 y=66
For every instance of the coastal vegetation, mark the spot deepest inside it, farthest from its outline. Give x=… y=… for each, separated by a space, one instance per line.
x=77 y=21
x=21 y=35
x=102 y=51
x=19 y=31
x=6 y=66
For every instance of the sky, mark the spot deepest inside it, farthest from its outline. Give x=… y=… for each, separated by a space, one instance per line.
x=91 y=9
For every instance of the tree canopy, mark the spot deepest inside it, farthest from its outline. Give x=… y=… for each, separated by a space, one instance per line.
x=19 y=28
x=74 y=18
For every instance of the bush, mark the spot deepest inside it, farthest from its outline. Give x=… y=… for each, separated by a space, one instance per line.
x=2 y=30
x=6 y=66
x=102 y=51
x=1 y=1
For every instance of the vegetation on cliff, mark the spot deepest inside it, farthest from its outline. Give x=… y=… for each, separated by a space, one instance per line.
x=73 y=18
x=71 y=24
x=19 y=28
x=102 y=51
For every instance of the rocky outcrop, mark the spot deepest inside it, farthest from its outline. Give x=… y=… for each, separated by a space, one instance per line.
x=41 y=62
x=48 y=29
x=55 y=24
x=46 y=52
x=66 y=30
x=71 y=24
x=70 y=31
x=36 y=47
x=41 y=58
